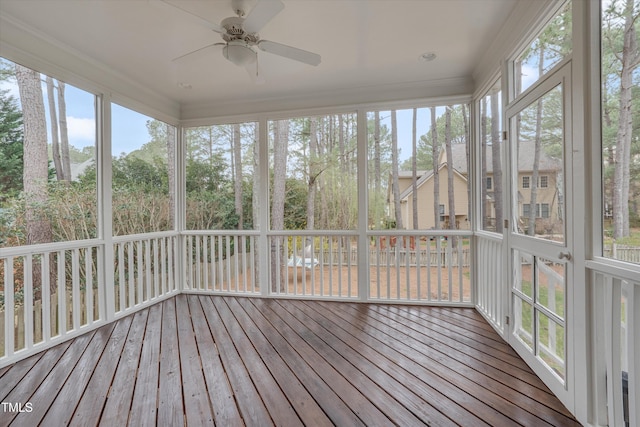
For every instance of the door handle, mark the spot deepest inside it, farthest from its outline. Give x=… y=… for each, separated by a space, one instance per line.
x=565 y=255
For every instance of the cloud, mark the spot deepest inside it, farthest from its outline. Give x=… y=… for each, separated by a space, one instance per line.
x=82 y=131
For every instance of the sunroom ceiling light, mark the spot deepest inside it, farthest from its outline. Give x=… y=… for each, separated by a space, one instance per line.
x=428 y=56
x=239 y=53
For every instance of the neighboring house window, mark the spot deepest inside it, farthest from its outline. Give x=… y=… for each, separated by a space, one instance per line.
x=441 y=208
x=542 y=210
x=489 y=183
x=525 y=181
x=544 y=181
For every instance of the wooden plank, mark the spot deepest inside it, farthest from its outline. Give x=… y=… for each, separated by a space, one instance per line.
x=62 y=408
x=144 y=407
x=54 y=382
x=15 y=373
x=225 y=408
x=352 y=397
x=324 y=345
x=331 y=403
x=25 y=388
x=456 y=337
x=170 y=394
x=275 y=401
x=197 y=407
x=251 y=406
x=401 y=352
x=474 y=382
x=89 y=409
x=307 y=408
x=520 y=393
x=120 y=394
x=418 y=397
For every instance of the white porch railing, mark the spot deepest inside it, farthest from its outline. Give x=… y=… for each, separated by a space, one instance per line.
x=50 y=292
x=615 y=304
x=145 y=269
x=56 y=291
x=490 y=284
x=421 y=266
x=222 y=262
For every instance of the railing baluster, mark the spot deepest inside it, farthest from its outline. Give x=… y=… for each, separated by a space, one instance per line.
x=9 y=307
x=62 y=294
x=27 y=302
x=156 y=265
x=88 y=281
x=75 y=288
x=45 y=296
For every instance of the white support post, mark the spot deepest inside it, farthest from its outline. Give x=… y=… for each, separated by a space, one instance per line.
x=363 y=208
x=180 y=190
x=263 y=207
x=105 y=226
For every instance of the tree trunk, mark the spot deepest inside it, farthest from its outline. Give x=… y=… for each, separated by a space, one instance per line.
x=483 y=163
x=255 y=202
x=35 y=166
x=450 y=182
x=496 y=159
x=53 y=119
x=436 y=173
x=280 y=142
x=237 y=155
x=171 y=171
x=622 y=177
x=64 y=132
x=533 y=184
x=313 y=172
x=394 y=168
x=414 y=169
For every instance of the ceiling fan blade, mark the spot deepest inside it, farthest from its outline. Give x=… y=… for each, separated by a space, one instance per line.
x=193 y=52
x=290 y=52
x=193 y=17
x=261 y=14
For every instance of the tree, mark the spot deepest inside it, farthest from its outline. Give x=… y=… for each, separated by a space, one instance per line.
x=496 y=158
x=436 y=174
x=35 y=168
x=394 y=173
x=237 y=183
x=629 y=59
x=11 y=147
x=450 y=177
x=280 y=140
x=414 y=169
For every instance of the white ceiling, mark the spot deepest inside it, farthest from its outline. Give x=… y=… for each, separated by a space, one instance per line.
x=367 y=46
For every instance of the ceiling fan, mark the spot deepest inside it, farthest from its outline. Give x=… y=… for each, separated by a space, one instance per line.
x=240 y=34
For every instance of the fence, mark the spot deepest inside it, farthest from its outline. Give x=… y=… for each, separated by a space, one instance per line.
x=622 y=253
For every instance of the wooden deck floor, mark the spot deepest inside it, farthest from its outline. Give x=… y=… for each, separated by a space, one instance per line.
x=199 y=360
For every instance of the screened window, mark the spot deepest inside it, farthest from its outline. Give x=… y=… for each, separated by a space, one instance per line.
x=547 y=50
x=491 y=163
x=410 y=175
x=620 y=91
x=143 y=173
x=220 y=161
x=47 y=174
x=526 y=181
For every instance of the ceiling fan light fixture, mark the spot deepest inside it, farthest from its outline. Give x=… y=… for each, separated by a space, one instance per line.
x=239 y=53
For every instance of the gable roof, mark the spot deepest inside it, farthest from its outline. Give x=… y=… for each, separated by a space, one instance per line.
x=526 y=152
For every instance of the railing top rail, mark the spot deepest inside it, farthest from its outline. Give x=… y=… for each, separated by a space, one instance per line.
x=144 y=236
x=619 y=269
x=320 y=233
x=435 y=233
x=220 y=233
x=488 y=235
x=49 y=247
